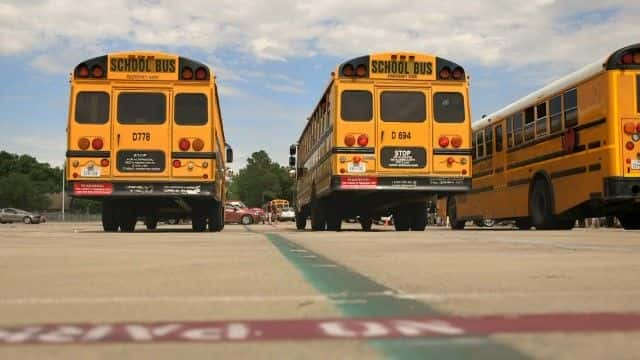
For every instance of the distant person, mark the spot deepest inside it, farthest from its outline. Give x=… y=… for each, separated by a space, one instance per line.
x=269 y=213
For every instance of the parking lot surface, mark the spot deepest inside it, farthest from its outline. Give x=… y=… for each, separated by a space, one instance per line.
x=70 y=290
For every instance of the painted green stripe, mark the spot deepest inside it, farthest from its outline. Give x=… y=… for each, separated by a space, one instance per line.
x=359 y=296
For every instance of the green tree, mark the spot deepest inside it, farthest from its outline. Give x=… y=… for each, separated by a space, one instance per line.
x=24 y=181
x=17 y=190
x=261 y=180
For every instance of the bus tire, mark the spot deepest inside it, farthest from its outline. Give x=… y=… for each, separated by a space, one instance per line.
x=151 y=223
x=318 y=219
x=301 y=220
x=452 y=212
x=402 y=219
x=334 y=220
x=523 y=224
x=630 y=221
x=419 y=215
x=541 y=205
x=215 y=217
x=366 y=222
x=198 y=218
x=564 y=224
x=127 y=218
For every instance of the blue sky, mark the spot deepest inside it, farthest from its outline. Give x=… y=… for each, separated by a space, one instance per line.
x=273 y=59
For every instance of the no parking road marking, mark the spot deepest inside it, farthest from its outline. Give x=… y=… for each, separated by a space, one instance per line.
x=322 y=329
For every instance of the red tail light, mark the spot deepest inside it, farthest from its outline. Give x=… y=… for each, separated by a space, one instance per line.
x=638 y=128
x=363 y=140
x=357 y=159
x=464 y=171
x=75 y=175
x=187 y=73
x=627 y=59
x=349 y=140
x=629 y=145
x=83 y=143
x=184 y=144
x=636 y=58
x=629 y=128
x=104 y=162
x=201 y=74
x=97 y=71
x=450 y=161
x=458 y=73
x=445 y=73
x=177 y=163
x=83 y=71
x=443 y=141
x=198 y=144
x=361 y=70
x=97 y=144
x=456 y=141
x=347 y=70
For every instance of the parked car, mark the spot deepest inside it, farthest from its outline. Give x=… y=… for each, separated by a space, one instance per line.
x=10 y=215
x=287 y=214
x=238 y=212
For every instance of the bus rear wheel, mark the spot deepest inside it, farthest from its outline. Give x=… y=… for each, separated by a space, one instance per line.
x=402 y=218
x=198 y=218
x=630 y=221
x=151 y=223
x=523 y=224
x=452 y=212
x=127 y=218
x=334 y=220
x=216 y=217
x=366 y=222
x=541 y=206
x=109 y=220
x=318 y=219
x=419 y=215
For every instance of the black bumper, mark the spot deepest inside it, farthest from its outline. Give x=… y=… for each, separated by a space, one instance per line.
x=619 y=188
x=401 y=183
x=140 y=189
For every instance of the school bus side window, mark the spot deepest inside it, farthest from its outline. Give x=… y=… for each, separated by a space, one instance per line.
x=529 y=124
x=448 y=107
x=498 y=130
x=555 y=111
x=517 y=129
x=142 y=108
x=191 y=109
x=570 y=108
x=480 y=142
x=356 y=105
x=474 y=145
x=541 y=119
x=488 y=137
x=92 y=107
x=403 y=106
x=510 y=132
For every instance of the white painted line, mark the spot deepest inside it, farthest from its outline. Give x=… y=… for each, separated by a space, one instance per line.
x=299 y=250
x=325 y=265
x=308 y=256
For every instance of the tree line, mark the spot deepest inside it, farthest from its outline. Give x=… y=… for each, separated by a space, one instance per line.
x=25 y=183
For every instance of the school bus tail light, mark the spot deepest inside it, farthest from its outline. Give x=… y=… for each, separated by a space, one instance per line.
x=104 y=162
x=357 y=159
x=82 y=71
x=187 y=73
x=197 y=144
x=84 y=143
x=347 y=70
x=349 y=140
x=629 y=145
x=97 y=144
x=176 y=163
x=456 y=141
x=638 y=128
x=630 y=128
x=184 y=144
x=458 y=73
x=443 y=141
x=361 y=70
x=363 y=140
x=445 y=73
x=450 y=161
x=96 y=71
x=201 y=74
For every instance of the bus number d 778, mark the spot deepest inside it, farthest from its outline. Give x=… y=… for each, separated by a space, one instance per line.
x=141 y=136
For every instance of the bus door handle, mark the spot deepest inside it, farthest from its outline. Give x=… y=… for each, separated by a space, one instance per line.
x=382 y=136
x=118 y=139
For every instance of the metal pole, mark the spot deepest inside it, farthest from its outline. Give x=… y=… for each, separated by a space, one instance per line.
x=63 y=178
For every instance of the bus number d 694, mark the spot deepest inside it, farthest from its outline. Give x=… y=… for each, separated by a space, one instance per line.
x=402 y=135
x=141 y=136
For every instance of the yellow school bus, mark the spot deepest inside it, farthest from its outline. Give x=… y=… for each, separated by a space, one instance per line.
x=145 y=137
x=568 y=151
x=390 y=131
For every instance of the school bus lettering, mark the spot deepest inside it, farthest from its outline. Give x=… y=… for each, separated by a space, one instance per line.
x=141 y=136
x=147 y=64
x=401 y=67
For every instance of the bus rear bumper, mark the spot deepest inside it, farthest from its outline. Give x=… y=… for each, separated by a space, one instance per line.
x=401 y=183
x=140 y=189
x=620 y=188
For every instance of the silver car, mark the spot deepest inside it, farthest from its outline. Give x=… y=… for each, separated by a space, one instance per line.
x=10 y=215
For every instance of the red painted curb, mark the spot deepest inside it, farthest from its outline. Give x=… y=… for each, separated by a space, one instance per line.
x=316 y=329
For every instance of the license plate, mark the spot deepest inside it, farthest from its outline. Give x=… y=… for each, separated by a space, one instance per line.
x=90 y=172
x=356 y=168
x=635 y=164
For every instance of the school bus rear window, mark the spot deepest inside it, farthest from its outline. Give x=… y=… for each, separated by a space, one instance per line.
x=92 y=107
x=356 y=105
x=448 y=107
x=403 y=106
x=191 y=109
x=142 y=108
